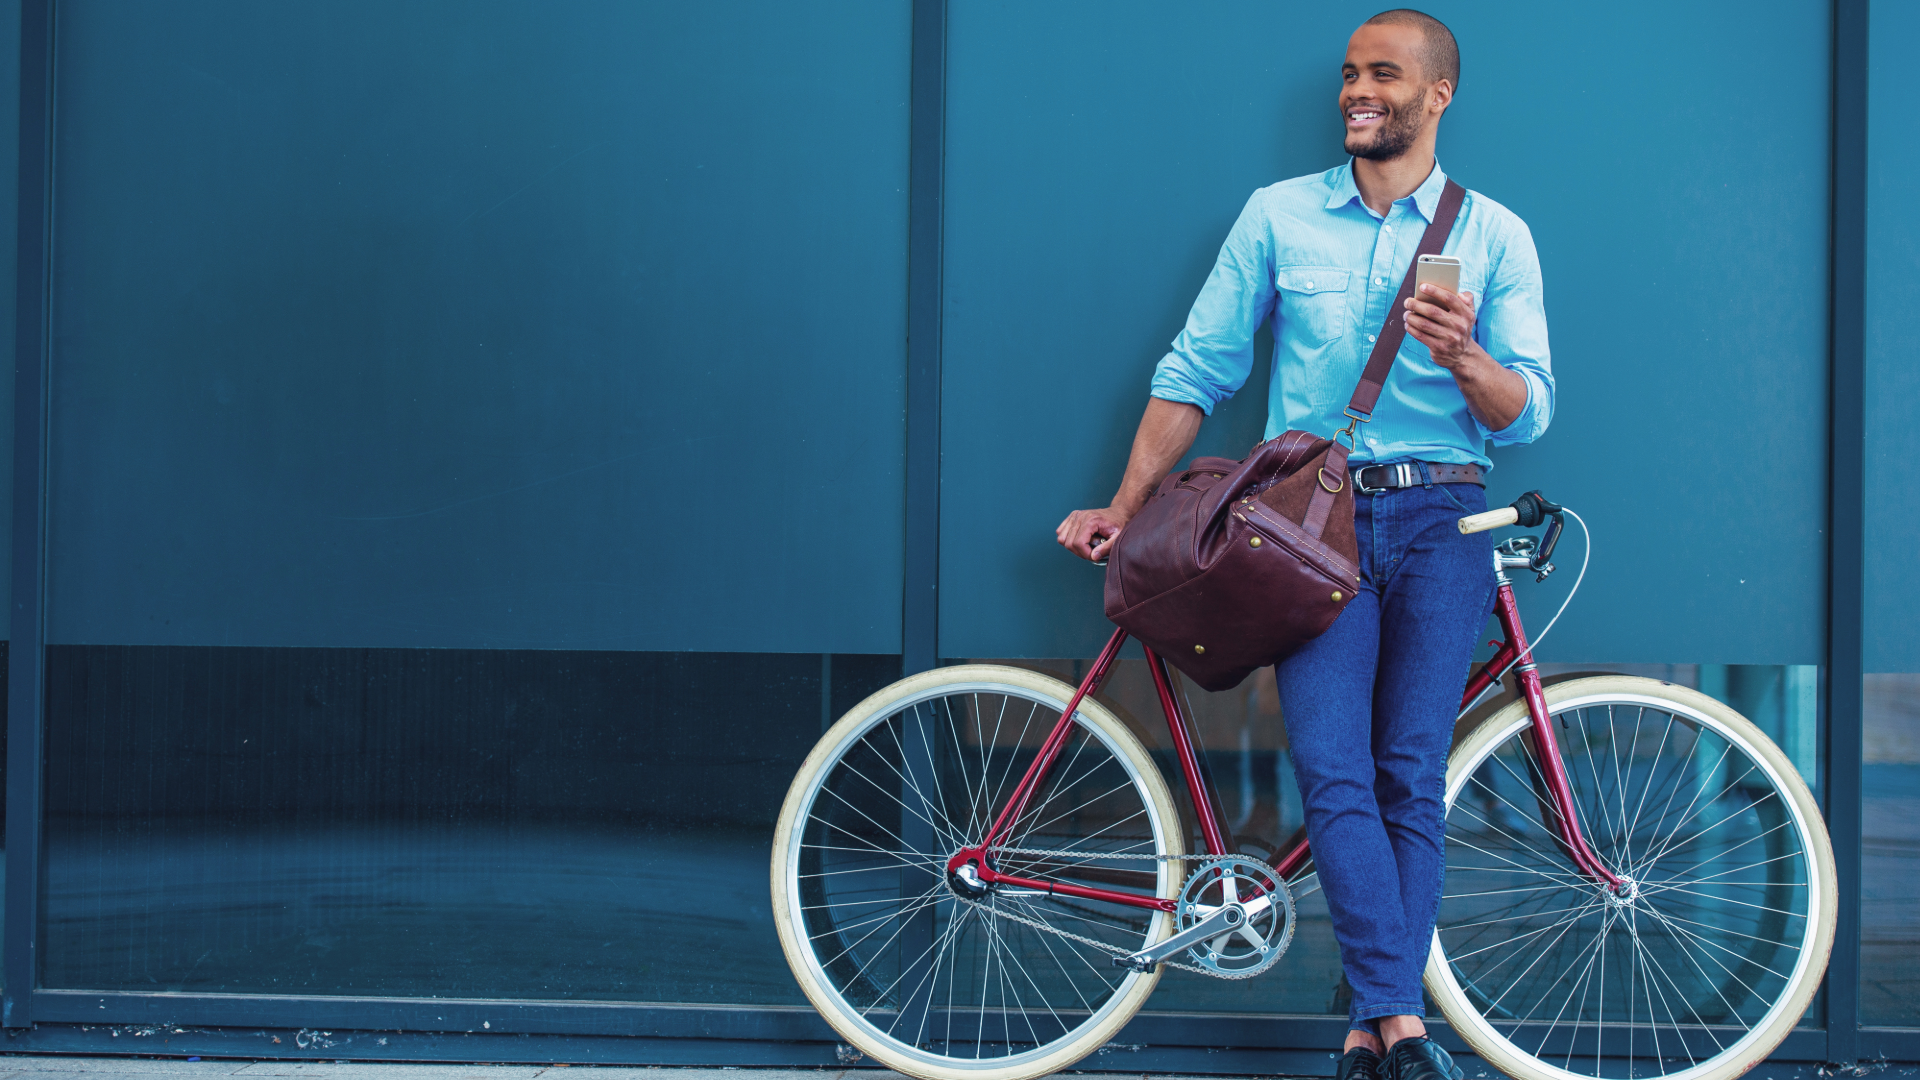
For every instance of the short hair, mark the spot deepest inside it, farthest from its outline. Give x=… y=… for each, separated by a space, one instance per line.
x=1439 y=53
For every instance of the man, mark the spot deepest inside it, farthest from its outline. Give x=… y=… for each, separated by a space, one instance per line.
x=1369 y=705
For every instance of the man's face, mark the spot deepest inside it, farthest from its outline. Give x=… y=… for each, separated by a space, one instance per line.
x=1385 y=98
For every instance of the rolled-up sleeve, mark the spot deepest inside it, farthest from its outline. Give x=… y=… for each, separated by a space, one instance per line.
x=1213 y=356
x=1512 y=328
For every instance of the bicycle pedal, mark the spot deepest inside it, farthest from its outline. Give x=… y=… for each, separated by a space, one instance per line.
x=1145 y=966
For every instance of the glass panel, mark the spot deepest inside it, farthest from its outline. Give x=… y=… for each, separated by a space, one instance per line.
x=455 y=823
x=1890 y=914
x=438 y=386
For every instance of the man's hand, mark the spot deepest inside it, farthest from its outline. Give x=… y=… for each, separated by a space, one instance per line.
x=1090 y=533
x=1166 y=433
x=1443 y=322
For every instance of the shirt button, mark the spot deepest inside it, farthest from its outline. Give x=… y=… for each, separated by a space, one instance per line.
x=1387 y=228
x=1379 y=281
x=1309 y=284
x=1373 y=442
x=1370 y=337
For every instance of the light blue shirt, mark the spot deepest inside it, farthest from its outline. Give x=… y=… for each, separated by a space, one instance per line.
x=1309 y=254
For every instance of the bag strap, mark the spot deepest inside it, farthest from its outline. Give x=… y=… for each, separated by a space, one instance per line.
x=1387 y=346
x=1374 y=378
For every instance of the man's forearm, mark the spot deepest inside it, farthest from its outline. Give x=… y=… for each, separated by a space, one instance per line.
x=1167 y=431
x=1496 y=394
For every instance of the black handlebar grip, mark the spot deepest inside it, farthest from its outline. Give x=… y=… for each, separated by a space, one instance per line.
x=1534 y=508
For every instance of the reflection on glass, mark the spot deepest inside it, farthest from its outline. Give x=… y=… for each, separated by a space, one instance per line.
x=452 y=823
x=1244 y=747
x=1890 y=916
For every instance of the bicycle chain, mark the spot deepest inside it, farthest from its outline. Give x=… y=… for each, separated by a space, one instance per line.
x=1097 y=854
x=1113 y=950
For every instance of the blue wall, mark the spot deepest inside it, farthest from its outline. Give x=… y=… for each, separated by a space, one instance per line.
x=1098 y=152
x=1893 y=357
x=480 y=324
x=342 y=289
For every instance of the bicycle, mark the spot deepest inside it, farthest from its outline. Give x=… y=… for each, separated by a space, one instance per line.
x=1638 y=882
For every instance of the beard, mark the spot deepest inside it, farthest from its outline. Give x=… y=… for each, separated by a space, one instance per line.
x=1394 y=137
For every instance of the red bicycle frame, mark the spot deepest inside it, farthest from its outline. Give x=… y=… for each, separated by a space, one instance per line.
x=1559 y=794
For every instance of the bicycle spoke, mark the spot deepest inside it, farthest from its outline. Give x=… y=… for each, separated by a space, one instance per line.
x=1653 y=769
x=1763 y=862
x=1529 y=847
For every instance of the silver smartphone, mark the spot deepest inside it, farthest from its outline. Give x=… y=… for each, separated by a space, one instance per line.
x=1441 y=270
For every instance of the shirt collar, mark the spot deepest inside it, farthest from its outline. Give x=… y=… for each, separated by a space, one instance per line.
x=1426 y=197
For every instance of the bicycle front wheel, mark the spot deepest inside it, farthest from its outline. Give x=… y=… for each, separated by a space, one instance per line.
x=923 y=972
x=1703 y=962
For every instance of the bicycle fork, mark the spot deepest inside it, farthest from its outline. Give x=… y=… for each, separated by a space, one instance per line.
x=1558 y=804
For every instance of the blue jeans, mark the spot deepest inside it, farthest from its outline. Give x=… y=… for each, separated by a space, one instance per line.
x=1369 y=707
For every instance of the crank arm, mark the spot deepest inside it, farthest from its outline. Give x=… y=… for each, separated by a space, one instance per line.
x=1229 y=918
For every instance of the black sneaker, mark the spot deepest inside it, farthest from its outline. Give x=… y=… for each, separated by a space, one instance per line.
x=1358 y=1063
x=1419 y=1058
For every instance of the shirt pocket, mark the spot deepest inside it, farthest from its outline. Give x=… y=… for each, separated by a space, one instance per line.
x=1313 y=302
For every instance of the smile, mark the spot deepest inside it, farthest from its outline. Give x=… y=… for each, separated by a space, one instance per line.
x=1364 y=116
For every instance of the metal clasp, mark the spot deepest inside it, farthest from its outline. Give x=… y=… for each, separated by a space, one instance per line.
x=1351 y=427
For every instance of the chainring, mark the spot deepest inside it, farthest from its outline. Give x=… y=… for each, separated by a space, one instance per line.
x=1253 y=947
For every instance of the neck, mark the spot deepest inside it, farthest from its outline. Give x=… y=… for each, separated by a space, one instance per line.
x=1383 y=183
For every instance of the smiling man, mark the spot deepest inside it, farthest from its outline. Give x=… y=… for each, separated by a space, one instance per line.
x=1369 y=705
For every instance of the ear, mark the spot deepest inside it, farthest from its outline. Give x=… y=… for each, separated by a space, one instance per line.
x=1440 y=95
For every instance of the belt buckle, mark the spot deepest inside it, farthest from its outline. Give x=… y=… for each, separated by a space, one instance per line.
x=1405 y=474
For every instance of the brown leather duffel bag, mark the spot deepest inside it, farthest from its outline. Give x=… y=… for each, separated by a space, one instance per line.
x=1232 y=565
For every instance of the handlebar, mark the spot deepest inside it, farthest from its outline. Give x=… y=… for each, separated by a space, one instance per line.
x=1492 y=519
x=1526 y=511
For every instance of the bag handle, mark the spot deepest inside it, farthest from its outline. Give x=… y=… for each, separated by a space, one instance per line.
x=1373 y=379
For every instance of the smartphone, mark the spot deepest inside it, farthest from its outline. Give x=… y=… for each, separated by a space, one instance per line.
x=1441 y=270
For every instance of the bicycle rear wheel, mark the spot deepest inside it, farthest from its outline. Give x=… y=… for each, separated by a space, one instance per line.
x=1715 y=948
x=910 y=966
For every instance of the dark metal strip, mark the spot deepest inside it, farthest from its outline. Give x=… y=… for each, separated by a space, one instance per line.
x=1889 y=1044
x=473 y=1016
x=1846 y=520
x=926 y=202
x=27 y=667
x=793 y=1026
x=330 y=1045
x=336 y=1044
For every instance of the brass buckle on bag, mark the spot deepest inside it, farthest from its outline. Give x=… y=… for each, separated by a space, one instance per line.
x=1354 y=421
x=1354 y=424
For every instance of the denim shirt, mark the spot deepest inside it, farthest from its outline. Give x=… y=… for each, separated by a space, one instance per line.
x=1312 y=256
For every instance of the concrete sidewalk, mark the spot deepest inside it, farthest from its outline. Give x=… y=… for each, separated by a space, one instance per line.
x=26 y=1067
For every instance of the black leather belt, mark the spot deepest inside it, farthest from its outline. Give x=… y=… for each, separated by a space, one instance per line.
x=1405 y=474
